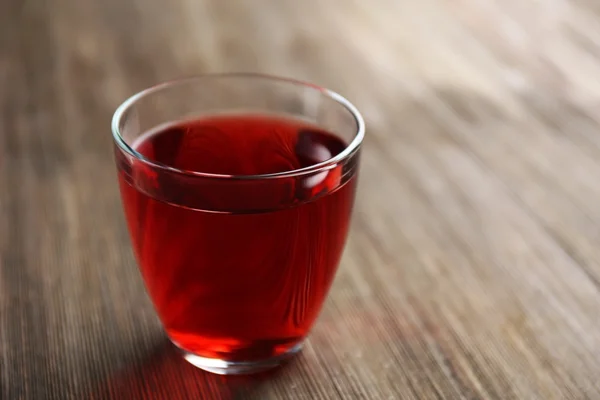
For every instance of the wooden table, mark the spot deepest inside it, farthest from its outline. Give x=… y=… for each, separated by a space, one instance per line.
x=472 y=270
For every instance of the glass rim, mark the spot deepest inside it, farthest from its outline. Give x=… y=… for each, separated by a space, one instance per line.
x=315 y=168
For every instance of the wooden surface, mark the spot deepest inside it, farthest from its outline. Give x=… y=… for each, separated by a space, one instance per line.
x=472 y=270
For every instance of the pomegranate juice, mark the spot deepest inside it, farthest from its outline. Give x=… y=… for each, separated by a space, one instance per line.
x=237 y=268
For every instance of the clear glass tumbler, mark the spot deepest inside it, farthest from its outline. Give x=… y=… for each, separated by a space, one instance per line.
x=238 y=191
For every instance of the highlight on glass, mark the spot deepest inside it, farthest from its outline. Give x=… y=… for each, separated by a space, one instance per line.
x=238 y=191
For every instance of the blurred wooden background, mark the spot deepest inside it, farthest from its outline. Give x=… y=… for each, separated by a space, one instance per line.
x=473 y=267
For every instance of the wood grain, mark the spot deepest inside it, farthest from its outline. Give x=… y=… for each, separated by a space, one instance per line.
x=472 y=271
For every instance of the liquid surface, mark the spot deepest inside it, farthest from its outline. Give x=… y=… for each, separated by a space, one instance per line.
x=248 y=145
x=237 y=284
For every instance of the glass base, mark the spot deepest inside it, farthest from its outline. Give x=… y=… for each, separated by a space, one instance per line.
x=222 y=367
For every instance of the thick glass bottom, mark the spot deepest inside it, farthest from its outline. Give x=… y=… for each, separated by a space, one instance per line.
x=223 y=367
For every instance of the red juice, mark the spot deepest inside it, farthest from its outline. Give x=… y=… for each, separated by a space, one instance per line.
x=237 y=268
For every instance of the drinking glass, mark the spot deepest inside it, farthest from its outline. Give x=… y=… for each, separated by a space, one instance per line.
x=237 y=265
